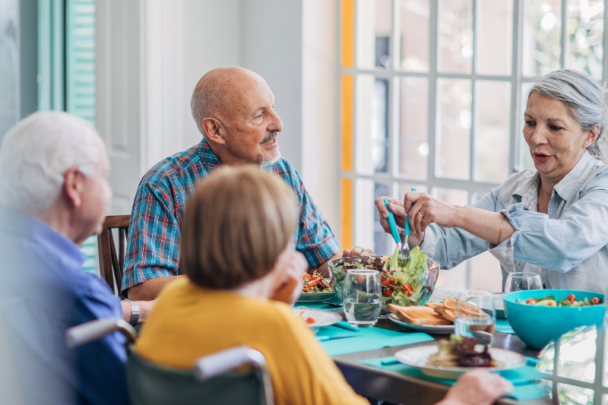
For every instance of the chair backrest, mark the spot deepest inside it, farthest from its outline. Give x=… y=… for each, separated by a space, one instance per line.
x=151 y=384
x=111 y=261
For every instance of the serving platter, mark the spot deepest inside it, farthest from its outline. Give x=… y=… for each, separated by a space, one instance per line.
x=322 y=318
x=437 y=329
x=418 y=357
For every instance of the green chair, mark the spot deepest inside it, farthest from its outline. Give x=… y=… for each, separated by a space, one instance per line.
x=211 y=381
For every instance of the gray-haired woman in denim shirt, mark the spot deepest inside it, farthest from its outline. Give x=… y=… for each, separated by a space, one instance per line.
x=553 y=220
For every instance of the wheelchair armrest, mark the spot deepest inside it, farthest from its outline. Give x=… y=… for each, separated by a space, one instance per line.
x=94 y=330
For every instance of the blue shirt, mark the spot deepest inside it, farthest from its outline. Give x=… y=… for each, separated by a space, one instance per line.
x=568 y=246
x=160 y=201
x=43 y=292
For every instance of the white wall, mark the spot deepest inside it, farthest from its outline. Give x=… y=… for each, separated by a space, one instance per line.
x=292 y=44
x=320 y=115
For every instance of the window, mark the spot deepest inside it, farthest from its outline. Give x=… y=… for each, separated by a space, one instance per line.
x=431 y=98
x=66 y=69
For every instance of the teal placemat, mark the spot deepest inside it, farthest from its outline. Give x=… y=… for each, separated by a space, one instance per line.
x=366 y=339
x=316 y=305
x=502 y=325
x=525 y=379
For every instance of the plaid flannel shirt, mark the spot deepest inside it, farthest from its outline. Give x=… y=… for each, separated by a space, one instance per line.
x=154 y=233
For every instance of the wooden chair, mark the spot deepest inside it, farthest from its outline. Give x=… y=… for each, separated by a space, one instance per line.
x=111 y=262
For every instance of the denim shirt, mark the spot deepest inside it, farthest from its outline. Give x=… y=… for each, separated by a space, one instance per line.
x=568 y=246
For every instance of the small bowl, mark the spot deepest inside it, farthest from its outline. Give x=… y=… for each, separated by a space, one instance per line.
x=339 y=275
x=536 y=325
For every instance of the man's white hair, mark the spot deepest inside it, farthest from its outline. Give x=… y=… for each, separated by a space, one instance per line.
x=36 y=153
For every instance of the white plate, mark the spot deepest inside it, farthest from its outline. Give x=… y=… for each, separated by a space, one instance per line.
x=418 y=357
x=322 y=318
x=438 y=329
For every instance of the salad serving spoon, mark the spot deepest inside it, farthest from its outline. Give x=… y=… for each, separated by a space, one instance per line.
x=400 y=240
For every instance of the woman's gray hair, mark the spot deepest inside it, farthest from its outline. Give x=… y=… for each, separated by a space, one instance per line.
x=584 y=98
x=36 y=153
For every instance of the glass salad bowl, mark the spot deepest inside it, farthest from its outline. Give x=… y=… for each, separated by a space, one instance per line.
x=407 y=284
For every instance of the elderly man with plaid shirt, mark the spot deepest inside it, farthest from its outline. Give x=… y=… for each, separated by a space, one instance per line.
x=234 y=110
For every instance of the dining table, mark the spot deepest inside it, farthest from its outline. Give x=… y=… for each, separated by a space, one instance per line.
x=398 y=388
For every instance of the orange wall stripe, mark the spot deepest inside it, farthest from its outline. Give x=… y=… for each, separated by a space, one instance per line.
x=348 y=89
x=348 y=33
x=347 y=213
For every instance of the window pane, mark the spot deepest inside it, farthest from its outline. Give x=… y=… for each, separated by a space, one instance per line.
x=413 y=142
x=577 y=354
x=372 y=124
x=414 y=37
x=374 y=25
x=541 y=47
x=453 y=136
x=382 y=245
x=494 y=37
x=492 y=119
x=525 y=158
x=586 y=29
x=451 y=196
x=573 y=395
x=406 y=187
x=455 y=37
x=9 y=66
x=364 y=213
x=368 y=231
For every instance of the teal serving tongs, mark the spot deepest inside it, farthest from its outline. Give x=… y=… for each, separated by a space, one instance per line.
x=400 y=240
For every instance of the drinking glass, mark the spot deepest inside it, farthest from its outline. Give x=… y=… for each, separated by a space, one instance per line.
x=362 y=295
x=475 y=315
x=523 y=281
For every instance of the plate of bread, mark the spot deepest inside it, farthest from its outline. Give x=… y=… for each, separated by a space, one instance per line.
x=434 y=317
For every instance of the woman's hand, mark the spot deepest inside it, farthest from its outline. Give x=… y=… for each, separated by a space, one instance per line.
x=399 y=213
x=396 y=208
x=427 y=210
x=294 y=265
x=477 y=387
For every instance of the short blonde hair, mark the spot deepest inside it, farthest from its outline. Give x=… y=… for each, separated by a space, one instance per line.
x=236 y=225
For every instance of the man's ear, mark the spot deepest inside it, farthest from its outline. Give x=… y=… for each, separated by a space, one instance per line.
x=73 y=185
x=214 y=130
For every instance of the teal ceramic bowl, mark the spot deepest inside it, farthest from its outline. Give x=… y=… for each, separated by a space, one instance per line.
x=538 y=325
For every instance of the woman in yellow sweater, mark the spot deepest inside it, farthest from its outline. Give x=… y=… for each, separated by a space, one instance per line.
x=237 y=251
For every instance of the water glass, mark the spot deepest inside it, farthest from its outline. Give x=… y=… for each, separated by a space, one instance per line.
x=475 y=315
x=362 y=297
x=523 y=281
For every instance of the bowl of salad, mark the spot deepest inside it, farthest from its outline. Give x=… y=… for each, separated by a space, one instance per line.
x=315 y=288
x=404 y=283
x=540 y=316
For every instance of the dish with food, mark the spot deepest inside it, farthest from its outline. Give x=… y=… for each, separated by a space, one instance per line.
x=436 y=329
x=315 y=289
x=569 y=301
x=316 y=318
x=420 y=358
x=460 y=351
x=314 y=283
x=405 y=283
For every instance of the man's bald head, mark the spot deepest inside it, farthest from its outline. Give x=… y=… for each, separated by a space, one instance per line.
x=217 y=92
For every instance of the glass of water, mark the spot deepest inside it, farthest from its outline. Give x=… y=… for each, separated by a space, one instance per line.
x=362 y=295
x=523 y=281
x=475 y=315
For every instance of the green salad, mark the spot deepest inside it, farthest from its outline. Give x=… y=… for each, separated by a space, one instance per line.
x=403 y=282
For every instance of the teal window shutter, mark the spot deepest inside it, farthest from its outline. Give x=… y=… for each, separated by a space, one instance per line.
x=80 y=81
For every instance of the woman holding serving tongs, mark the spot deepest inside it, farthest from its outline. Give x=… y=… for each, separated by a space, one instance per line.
x=552 y=221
